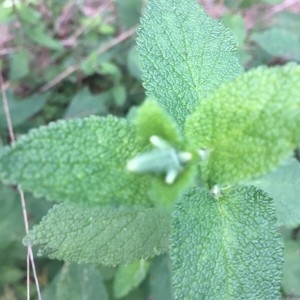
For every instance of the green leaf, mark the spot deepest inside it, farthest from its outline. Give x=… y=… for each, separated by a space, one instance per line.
x=289 y=21
x=19 y=65
x=39 y=35
x=160 y=279
x=291 y=267
x=129 y=277
x=283 y=185
x=279 y=42
x=10 y=218
x=226 y=247
x=119 y=95
x=237 y=25
x=101 y=235
x=6 y=15
x=76 y=282
x=133 y=63
x=248 y=126
x=185 y=55
x=84 y=104
x=81 y=160
x=152 y=121
x=22 y=109
x=129 y=12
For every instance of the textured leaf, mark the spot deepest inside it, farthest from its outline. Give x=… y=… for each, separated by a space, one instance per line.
x=249 y=125
x=78 y=160
x=226 y=248
x=76 y=282
x=101 y=235
x=283 y=185
x=185 y=55
x=129 y=277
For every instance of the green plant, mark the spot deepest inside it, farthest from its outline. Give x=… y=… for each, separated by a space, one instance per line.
x=176 y=179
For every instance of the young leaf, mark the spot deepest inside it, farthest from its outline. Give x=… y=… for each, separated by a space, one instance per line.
x=174 y=166
x=80 y=160
x=185 y=55
x=283 y=185
x=101 y=235
x=129 y=277
x=226 y=247
x=249 y=125
x=151 y=119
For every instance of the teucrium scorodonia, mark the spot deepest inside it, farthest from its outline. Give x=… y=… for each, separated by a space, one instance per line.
x=170 y=181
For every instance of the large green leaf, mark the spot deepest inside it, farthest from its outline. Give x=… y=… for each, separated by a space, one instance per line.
x=283 y=185
x=249 y=125
x=226 y=247
x=80 y=160
x=185 y=55
x=101 y=235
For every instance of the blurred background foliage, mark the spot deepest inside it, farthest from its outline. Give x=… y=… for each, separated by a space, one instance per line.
x=73 y=58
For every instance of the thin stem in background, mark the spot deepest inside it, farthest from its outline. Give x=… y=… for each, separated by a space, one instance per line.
x=30 y=258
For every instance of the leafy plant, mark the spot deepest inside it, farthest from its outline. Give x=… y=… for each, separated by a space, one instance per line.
x=175 y=178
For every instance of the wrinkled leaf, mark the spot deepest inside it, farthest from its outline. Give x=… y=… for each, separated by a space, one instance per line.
x=185 y=55
x=248 y=126
x=101 y=235
x=81 y=160
x=226 y=247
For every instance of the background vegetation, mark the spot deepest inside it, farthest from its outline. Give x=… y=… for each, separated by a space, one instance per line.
x=67 y=59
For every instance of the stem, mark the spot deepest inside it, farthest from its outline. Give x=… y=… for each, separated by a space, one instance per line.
x=30 y=258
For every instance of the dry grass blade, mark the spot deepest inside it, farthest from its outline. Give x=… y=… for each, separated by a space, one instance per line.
x=30 y=258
